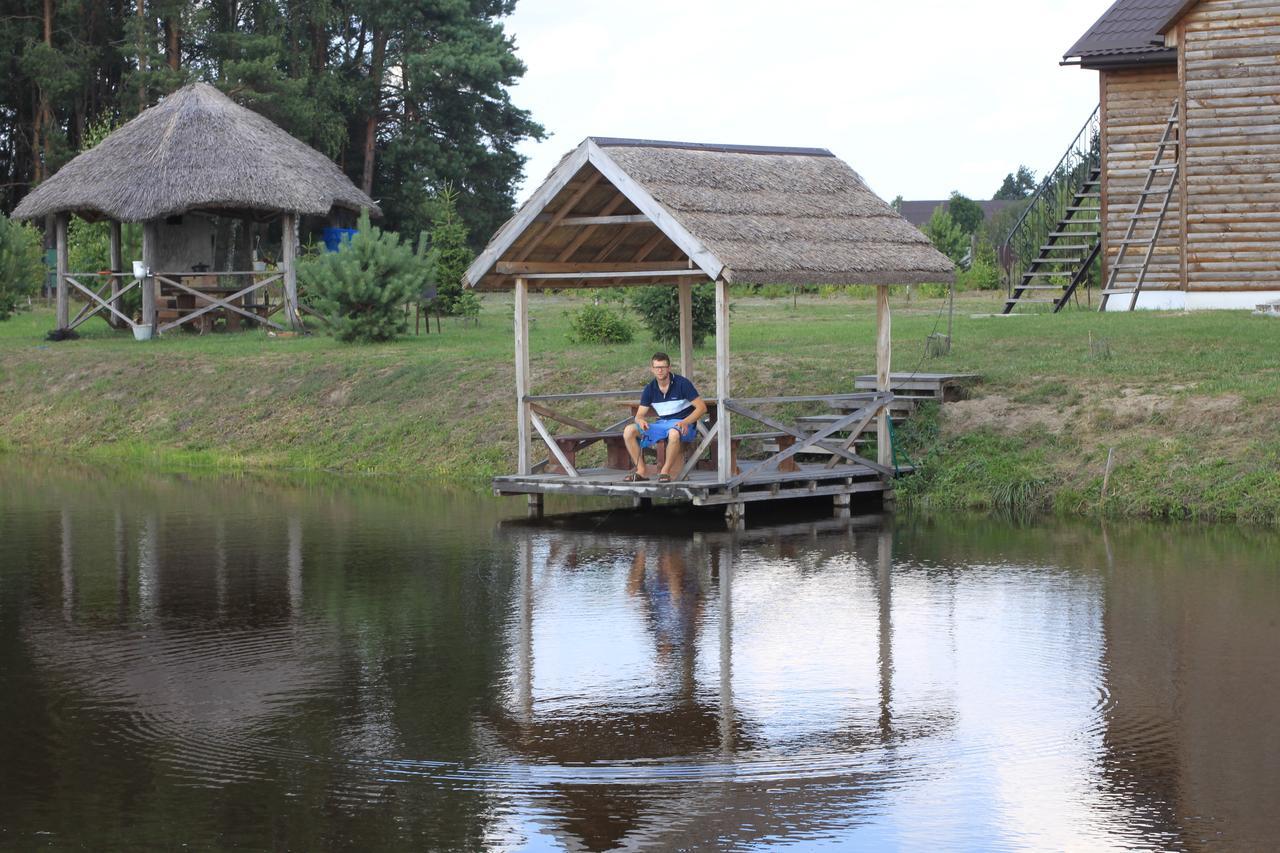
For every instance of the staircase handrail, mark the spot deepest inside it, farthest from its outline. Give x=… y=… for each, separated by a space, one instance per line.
x=1052 y=180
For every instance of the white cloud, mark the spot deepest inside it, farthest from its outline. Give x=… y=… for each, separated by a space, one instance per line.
x=920 y=98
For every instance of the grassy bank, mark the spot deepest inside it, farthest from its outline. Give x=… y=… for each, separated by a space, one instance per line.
x=1188 y=404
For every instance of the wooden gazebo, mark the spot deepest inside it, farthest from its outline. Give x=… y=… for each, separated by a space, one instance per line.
x=622 y=212
x=194 y=156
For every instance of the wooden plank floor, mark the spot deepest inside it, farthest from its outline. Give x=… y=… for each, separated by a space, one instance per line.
x=812 y=479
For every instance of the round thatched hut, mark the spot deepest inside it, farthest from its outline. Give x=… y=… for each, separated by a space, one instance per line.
x=191 y=169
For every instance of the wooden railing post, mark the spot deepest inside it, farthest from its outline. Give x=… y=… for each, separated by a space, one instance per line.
x=686 y=328
x=150 y=235
x=117 y=265
x=64 y=308
x=884 y=339
x=522 y=374
x=724 y=447
x=289 y=259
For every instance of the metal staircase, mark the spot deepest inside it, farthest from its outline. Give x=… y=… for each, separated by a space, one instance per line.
x=1052 y=246
x=1142 y=217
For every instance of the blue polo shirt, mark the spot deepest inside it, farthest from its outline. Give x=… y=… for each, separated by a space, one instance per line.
x=676 y=404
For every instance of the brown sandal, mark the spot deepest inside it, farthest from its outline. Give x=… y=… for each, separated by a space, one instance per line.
x=664 y=478
x=635 y=477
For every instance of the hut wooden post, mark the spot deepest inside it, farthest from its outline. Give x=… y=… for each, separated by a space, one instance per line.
x=724 y=461
x=150 y=236
x=116 y=266
x=60 y=230
x=522 y=374
x=686 y=328
x=289 y=259
x=884 y=338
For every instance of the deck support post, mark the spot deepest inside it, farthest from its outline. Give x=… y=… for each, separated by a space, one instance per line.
x=64 y=308
x=686 y=328
x=150 y=239
x=724 y=445
x=522 y=375
x=884 y=450
x=536 y=506
x=840 y=505
x=735 y=515
x=289 y=260
x=117 y=265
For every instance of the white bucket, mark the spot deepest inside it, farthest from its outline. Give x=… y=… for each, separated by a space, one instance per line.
x=139 y=271
x=142 y=332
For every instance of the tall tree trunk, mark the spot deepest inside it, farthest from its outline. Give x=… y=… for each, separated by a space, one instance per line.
x=141 y=13
x=375 y=108
x=43 y=125
x=172 y=48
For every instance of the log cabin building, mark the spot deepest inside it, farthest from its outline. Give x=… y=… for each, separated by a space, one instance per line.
x=1203 y=78
x=1217 y=63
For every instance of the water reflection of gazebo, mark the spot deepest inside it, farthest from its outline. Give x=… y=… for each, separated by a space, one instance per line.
x=622 y=212
x=199 y=172
x=671 y=772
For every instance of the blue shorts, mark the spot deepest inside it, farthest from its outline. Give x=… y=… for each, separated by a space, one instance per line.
x=658 y=430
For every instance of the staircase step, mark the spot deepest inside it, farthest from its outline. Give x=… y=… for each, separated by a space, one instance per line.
x=1088 y=195
x=1019 y=301
x=1077 y=247
x=1073 y=234
x=1047 y=274
x=1041 y=286
x=1112 y=291
x=1078 y=221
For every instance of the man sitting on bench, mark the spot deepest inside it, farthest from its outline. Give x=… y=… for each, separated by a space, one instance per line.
x=678 y=407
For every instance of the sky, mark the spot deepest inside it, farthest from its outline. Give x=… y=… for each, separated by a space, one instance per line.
x=920 y=97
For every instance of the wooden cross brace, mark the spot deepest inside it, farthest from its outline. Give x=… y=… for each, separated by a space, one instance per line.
x=215 y=302
x=806 y=440
x=102 y=303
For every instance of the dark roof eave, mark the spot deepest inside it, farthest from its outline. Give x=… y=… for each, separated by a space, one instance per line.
x=1108 y=62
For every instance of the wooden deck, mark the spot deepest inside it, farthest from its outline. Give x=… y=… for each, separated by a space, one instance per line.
x=702 y=488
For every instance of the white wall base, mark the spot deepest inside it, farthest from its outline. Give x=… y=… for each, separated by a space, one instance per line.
x=1180 y=300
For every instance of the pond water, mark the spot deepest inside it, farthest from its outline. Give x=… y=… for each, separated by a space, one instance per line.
x=317 y=664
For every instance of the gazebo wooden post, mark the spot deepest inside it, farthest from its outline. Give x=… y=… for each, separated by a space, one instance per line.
x=150 y=236
x=60 y=232
x=884 y=339
x=522 y=387
x=288 y=259
x=724 y=443
x=686 y=328
x=116 y=266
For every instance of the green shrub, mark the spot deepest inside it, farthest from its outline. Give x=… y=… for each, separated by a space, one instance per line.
x=361 y=289
x=947 y=237
x=659 y=309
x=983 y=273
x=21 y=264
x=596 y=324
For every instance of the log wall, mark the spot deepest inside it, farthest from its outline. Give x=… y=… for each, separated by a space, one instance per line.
x=1135 y=107
x=1229 y=53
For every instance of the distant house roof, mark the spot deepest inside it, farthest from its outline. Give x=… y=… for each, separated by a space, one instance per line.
x=739 y=212
x=1129 y=33
x=918 y=212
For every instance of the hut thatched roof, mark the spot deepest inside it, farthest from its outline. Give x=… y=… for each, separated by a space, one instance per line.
x=196 y=149
x=744 y=213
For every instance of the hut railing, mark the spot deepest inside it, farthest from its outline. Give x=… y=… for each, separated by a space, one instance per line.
x=99 y=300
x=214 y=302
x=538 y=411
x=1048 y=204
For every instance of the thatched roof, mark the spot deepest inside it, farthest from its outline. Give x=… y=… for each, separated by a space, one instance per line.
x=744 y=213
x=196 y=149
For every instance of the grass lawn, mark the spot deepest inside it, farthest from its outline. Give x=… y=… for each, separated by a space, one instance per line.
x=1188 y=402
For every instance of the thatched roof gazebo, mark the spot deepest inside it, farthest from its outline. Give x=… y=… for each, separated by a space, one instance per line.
x=620 y=212
x=195 y=153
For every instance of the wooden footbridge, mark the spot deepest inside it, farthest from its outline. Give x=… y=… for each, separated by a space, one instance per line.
x=623 y=212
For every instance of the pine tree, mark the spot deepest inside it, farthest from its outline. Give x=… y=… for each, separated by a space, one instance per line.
x=362 y=288
x=450 y=256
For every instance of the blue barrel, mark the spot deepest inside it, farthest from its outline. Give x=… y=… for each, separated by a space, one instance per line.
x=334 y=237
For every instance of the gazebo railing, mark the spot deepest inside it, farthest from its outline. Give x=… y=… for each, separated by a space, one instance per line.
x=214 y=302
x=836 y=438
